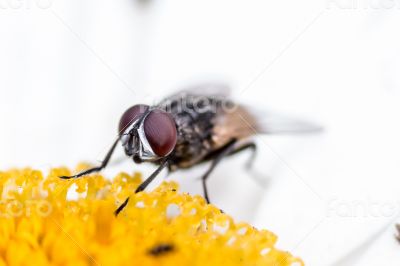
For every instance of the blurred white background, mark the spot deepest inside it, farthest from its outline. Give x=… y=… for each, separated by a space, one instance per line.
x=69 y=69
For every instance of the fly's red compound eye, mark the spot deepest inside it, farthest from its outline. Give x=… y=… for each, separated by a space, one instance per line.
x=130 y=116
x=160 y=131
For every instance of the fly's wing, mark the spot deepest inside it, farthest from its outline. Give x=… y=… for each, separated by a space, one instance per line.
x=244 y=119
x=242 y=122
x=269 y=122
x=202 y=93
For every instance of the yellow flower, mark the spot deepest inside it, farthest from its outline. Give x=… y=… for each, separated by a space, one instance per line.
x=41 y=224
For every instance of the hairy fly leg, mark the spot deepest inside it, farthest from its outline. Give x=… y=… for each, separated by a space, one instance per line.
x=217 y=158
x=253 y=147
x=98 y=168
x=143 y=185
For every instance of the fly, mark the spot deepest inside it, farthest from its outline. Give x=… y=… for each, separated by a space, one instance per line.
x=202 y=124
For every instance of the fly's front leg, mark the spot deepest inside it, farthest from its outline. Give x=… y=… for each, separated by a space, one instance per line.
x=98 y=168
x=143 y=185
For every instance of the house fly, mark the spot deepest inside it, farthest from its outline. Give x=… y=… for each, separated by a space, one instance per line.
x=196 y=125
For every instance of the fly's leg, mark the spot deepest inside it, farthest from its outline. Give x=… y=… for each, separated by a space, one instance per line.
x=121 y=207
x=253 y=147
x=143 y=185
x=228 y=149
x=151 y=177
x=98 y=168
x=249 y=164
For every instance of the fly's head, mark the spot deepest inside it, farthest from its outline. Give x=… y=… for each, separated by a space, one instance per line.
x=147 y=134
